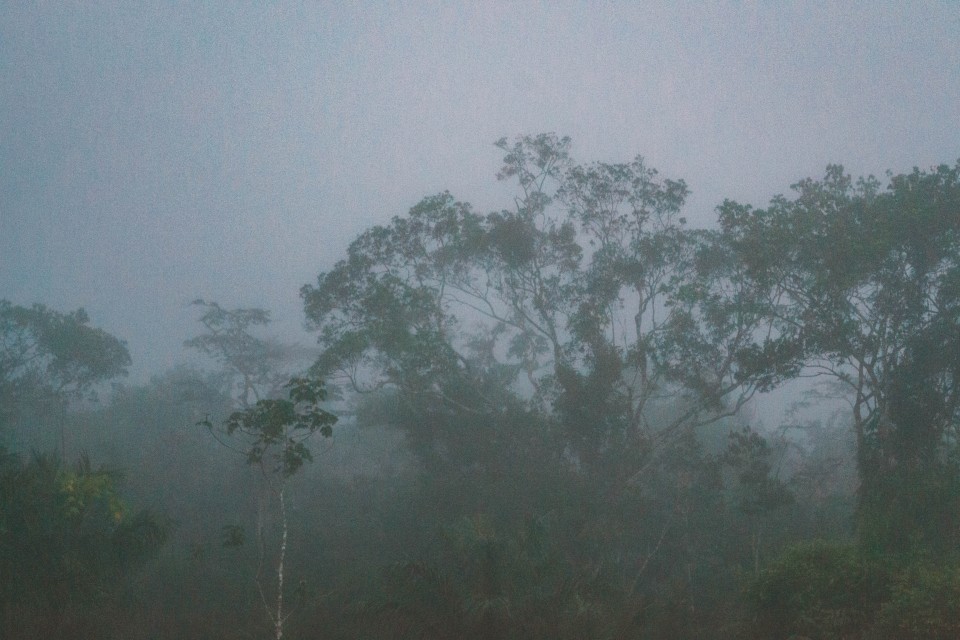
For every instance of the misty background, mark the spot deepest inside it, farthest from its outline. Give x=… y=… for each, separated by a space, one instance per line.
x=152 y=153
x=566 y=404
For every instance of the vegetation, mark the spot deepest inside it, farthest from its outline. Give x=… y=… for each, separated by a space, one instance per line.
x=542 y=430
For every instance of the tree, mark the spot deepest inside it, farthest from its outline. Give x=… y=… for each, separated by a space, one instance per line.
x=49 y=358
x=863 y=286
x=590 y=295
x=269 y=430
x=757 y=491
x=273 y=435
x=254 y=365
x=579 y=338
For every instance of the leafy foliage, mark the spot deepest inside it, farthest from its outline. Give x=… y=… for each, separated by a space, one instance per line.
x=861 y=284
x=924 y=603
x=819 y=590
x=51 y=357
x=276 y=429
x=65 y=534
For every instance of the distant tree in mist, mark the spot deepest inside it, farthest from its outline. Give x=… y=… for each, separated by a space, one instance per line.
x=255 y=366
x=49 y=359
x=590 y=293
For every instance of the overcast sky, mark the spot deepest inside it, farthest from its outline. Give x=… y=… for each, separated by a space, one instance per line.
x=153 y=153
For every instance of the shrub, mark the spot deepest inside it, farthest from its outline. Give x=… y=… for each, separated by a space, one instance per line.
x=817 y=589
x=924 y=604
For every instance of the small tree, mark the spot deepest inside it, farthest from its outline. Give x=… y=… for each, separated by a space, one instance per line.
x=274 y=434
x=757 y=491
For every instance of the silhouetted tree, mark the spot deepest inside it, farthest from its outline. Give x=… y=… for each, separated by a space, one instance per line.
x=48 y=359
x=863 y=287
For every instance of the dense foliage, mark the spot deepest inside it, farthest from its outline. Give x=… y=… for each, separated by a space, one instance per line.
x=49 y=359
x=542 y=431
x=65 y=538
x=864 y=289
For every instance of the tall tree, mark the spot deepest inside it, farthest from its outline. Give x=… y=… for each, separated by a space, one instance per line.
x=590 y=293
x=556 y=354
x=864 y=290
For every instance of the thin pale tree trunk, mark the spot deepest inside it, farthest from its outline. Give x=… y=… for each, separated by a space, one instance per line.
x=279 y=619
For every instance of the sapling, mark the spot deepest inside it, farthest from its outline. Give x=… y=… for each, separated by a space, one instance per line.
x=274 y=435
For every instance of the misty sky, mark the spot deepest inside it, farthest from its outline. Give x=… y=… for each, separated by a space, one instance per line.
x=153 y=153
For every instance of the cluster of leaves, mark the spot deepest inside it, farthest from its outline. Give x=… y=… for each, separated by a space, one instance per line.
x=924 y=603
x=65 y=534
x=817 y=589
x=758 y=489
x=276 y=428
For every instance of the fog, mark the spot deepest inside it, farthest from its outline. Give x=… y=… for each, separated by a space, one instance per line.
x=157 y=153
x=593 y=398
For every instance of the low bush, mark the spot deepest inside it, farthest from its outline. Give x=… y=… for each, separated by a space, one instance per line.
x=817 y=589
